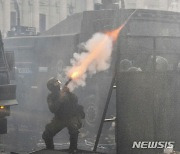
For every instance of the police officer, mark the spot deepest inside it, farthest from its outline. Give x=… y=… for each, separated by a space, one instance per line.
x=68 y=113
x=161 y=64
x=125 y=64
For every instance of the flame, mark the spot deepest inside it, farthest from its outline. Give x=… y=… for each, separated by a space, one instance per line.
x=1 y=107
x=75 y=75
x=115 y=33
x=77 y=71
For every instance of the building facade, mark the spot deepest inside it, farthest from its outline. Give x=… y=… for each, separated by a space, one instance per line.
x=168 y=5
x=43 y=14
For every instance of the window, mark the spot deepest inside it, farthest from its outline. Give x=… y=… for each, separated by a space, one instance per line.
x=13 y=19
x=152 y=4
x=42 y=22
x=173 y=5
x=132 y=5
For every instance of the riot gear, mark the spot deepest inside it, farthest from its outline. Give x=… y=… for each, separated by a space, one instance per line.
x=134 y=69
x=53 y=84
x=68 y=113
x=161 y=63
x=125 y=64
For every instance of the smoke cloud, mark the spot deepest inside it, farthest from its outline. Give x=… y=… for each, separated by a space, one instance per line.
x=96 y=59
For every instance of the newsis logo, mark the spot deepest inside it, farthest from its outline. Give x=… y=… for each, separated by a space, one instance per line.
x=153 y=145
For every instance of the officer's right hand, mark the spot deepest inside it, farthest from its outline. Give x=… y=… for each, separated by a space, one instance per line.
x=65 y=89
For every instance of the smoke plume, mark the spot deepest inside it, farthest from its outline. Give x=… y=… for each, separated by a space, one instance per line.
x=96 y=59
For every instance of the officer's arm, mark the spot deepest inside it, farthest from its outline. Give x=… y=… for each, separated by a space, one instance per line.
x=51 y=104
x=81 y=111
x=49 y=100
x=64 y=97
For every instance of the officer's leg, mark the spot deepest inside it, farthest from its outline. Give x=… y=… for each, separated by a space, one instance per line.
x=73 y=127
x=51 y=130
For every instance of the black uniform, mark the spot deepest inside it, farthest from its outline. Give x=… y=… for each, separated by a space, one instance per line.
x=68 y=113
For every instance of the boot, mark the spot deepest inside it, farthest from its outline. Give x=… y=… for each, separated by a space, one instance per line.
x=73 y=143
x=48 y=141
x=49 y=144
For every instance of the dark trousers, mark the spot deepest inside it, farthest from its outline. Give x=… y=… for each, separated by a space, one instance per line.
x=56 y=125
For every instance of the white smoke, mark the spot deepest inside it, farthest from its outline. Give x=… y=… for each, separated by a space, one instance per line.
x=99 y=63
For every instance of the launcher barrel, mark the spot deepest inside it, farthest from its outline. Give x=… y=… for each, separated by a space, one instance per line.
x=68 y=82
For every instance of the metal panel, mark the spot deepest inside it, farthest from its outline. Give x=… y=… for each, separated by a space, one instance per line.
x=8 y=102
x=3 y=124
x=7 y=92
x=145 y=110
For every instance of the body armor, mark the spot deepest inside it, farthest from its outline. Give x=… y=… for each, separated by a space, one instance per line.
x=68 y=114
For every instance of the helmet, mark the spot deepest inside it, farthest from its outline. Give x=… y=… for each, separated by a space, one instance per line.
x=53 y=84
x=134 y=69
x=161 y=63
x=125 y=64
x=82 y=48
